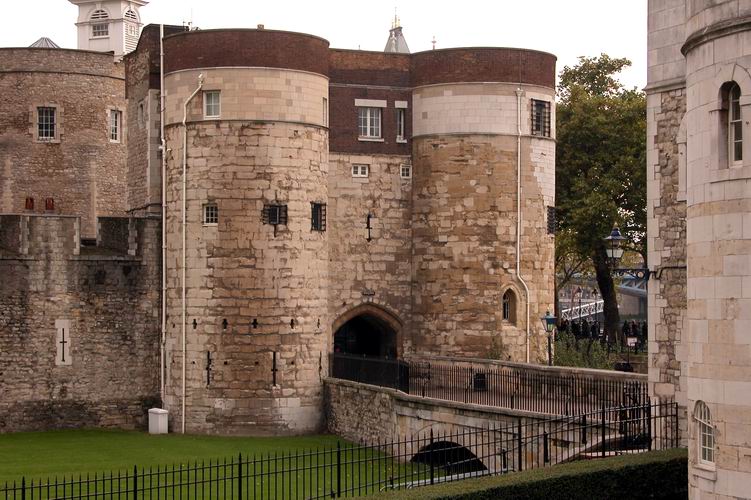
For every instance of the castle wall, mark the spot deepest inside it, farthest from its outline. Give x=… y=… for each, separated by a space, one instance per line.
x=82 y=170
x=375 y=272
x=106 y=300
x=697 y=210
x=718 y=249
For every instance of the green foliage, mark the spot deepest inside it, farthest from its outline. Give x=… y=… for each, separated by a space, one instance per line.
x=656 y=475
x=601 y=154
x=585 y=353
x=600 y=168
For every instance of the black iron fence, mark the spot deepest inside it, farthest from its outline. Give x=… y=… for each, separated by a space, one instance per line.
x=514 y=387
x=358 y=470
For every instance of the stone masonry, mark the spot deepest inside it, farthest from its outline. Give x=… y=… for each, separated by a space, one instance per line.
x=107 y=299
x=81 y=170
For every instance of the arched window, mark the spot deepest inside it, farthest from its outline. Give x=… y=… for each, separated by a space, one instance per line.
x=100 y=27
x=704 y=434
x=99 y=14
x=735 y=125
x=131 y=16
x=730 y=126
x=509 y=306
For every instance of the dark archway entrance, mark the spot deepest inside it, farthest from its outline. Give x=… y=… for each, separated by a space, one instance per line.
x=453 y=458
x=366 y=335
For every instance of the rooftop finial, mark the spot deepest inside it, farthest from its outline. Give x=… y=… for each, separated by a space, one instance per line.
x=433 y=42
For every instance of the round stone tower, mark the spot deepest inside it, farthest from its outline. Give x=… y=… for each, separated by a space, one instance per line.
x=483 y=131
x=62 y=139
x=256 y=260
x=717 y=147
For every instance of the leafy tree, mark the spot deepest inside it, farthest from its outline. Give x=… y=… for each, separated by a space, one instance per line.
x=600 y=167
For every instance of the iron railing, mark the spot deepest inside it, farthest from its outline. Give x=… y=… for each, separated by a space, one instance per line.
x=358 y=470
x=505 y=386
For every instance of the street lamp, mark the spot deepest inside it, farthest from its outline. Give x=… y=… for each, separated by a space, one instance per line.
x=548 y=321
x=614 y=250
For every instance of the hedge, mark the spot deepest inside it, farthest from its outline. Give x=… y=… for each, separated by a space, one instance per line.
x=658 y=475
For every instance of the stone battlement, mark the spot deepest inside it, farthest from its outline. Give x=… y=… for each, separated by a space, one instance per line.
x=58 y=237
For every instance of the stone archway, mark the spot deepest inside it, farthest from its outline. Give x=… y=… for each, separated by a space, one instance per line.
x=367 y=330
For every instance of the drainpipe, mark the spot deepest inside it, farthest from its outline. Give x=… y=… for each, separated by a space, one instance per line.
x=184 y=225
x=519 y=93
x=163 y=146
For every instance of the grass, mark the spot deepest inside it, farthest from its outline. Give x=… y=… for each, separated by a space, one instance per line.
x=46 y=454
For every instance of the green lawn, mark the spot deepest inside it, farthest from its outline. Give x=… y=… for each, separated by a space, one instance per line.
x=52 y=456
x=43 y=454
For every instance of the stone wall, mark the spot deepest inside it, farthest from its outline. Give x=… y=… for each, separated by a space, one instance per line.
x=666 y=212
x=107 y=301
x=81 y=170
x=269 y=284
x=464 y=245
x=376 y=272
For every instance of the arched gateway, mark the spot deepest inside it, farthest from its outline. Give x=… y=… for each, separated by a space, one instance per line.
x=367 y=330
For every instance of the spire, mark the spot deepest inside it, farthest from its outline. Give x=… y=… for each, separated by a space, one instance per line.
x=44 y=43
x=396 y=41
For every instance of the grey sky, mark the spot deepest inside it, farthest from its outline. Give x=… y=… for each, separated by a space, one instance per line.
x=566 y=28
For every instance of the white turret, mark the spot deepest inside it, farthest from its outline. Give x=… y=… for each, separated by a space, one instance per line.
x=109 y=25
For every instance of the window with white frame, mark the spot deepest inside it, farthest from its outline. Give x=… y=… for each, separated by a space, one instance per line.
x=704 y=434
x=212 y=105
x=735 y=125
x=360 y=170
x=400 y=120
x=325 y=112
x=116 y=125
x=405 y=171
x=46 y=123
x=210 y=214
x=369 y=120
x=99 y=27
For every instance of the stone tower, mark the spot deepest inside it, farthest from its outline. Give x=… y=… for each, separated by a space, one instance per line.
x=109 y=25
x=256 y=270
x=484 y=155
x=699 y=232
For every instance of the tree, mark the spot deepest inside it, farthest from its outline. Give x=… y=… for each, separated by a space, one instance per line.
x=601 y=166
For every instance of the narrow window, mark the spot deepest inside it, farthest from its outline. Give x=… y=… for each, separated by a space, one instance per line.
x=210 y=214
x=705 y=434
x=540 y=118
x=369 y=122
x=400 y=114
x=318 y=216
x=406 y=171
x=212 y=106
x=116 y=120
x=509 y=306
x=360 y=170
x=325 y=112
x=735 y=125
x=46 y=123
x=551 y=220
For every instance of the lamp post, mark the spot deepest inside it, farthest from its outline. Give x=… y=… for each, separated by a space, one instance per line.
x=548 y=321
x=614 y=250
